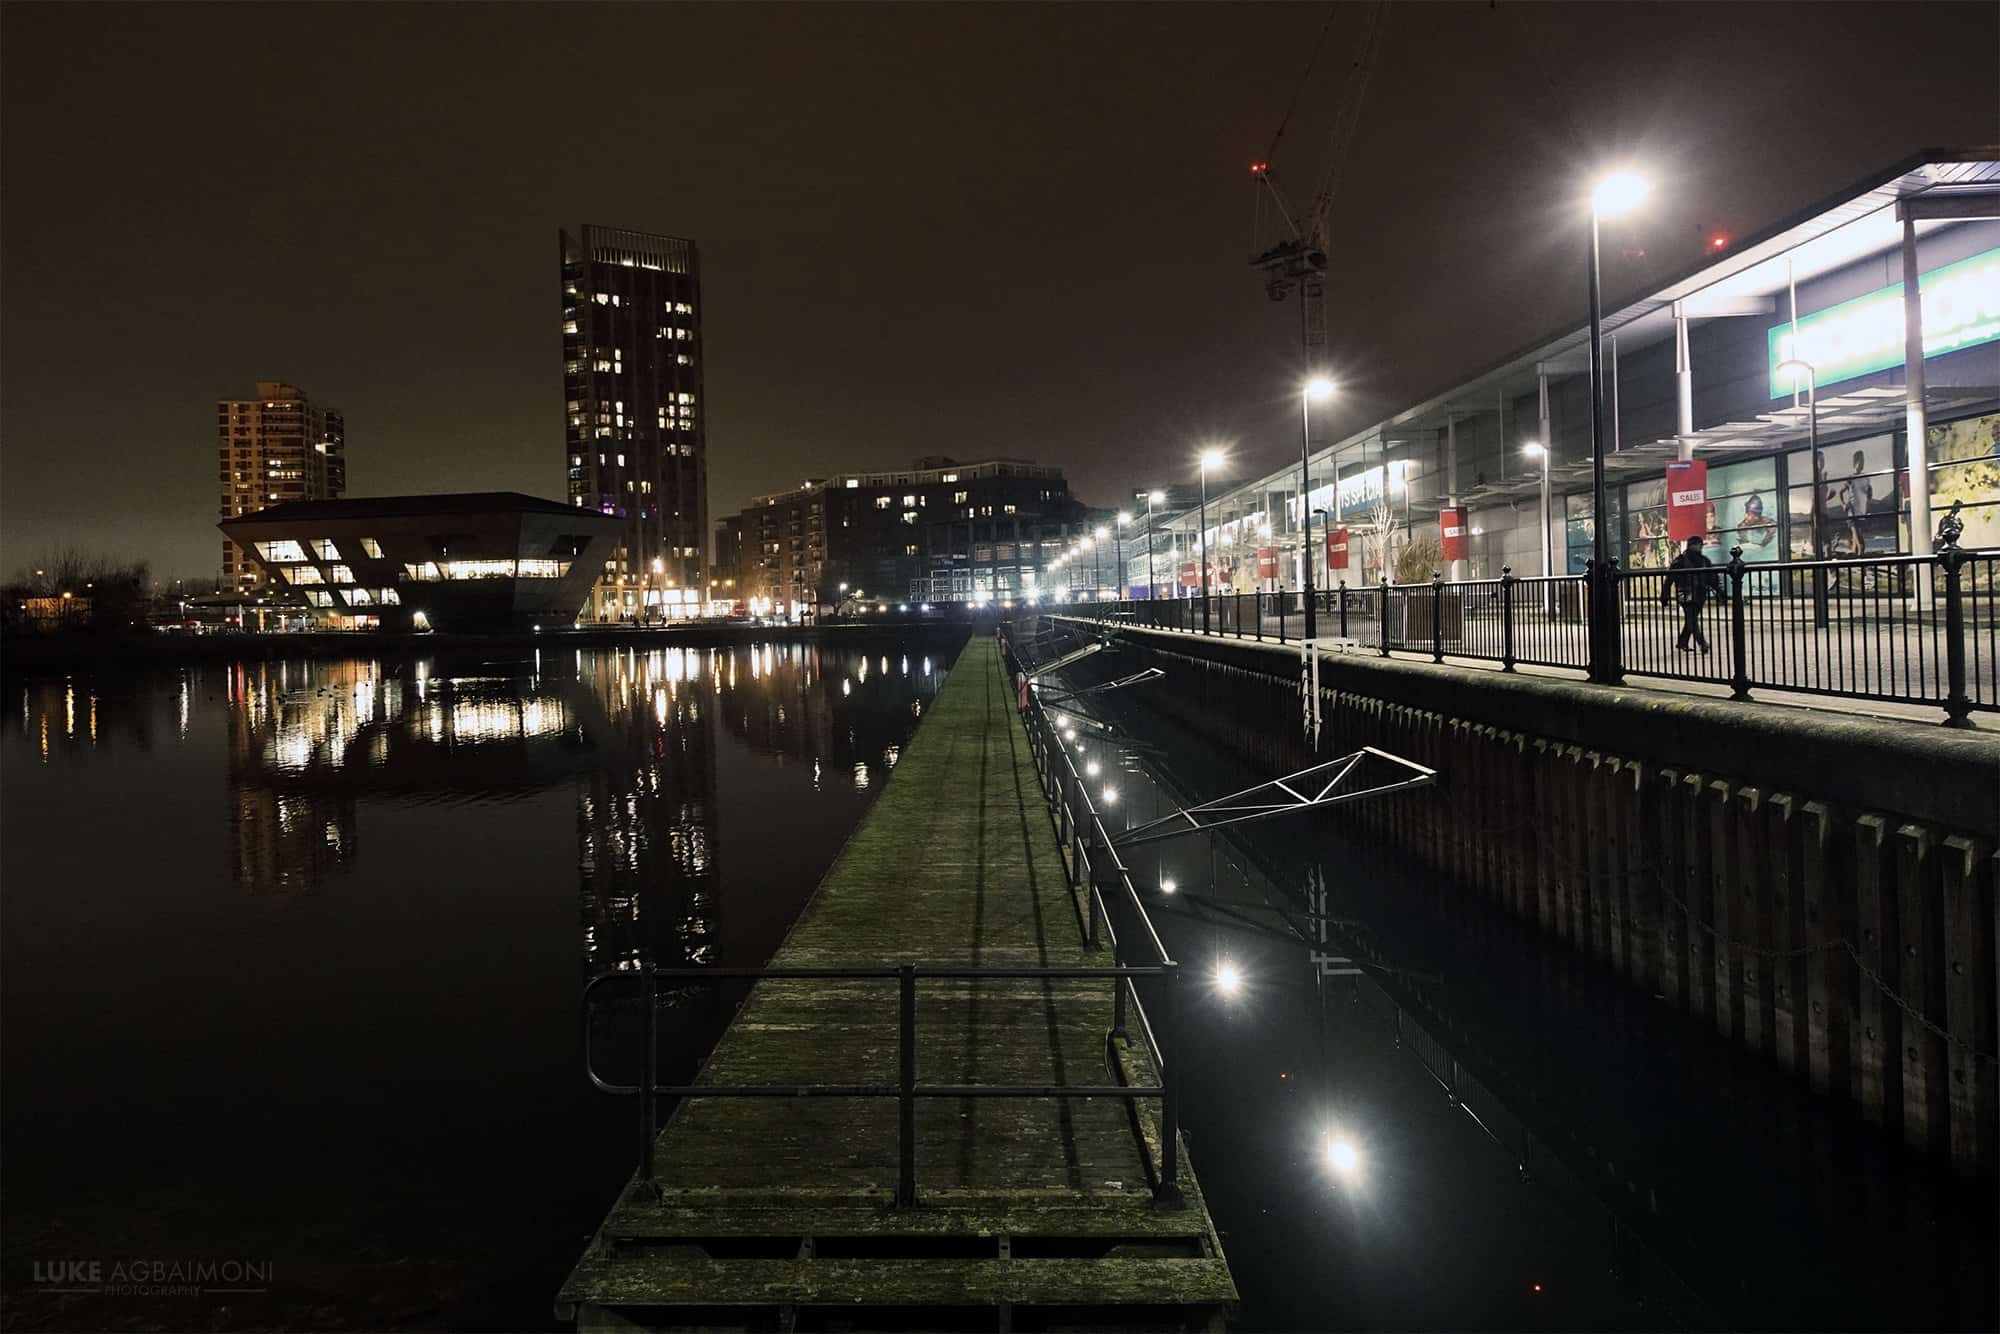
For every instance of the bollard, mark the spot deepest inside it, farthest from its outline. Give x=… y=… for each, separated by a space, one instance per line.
x=1343 y=608
x=1957 y=704
x=1507 y=582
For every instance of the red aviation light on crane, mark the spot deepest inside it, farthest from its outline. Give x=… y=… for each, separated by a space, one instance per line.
x=1718 y=242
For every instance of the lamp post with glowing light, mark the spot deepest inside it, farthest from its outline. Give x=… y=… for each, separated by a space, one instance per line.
x=1797 y=366
x=1210 y=458
x=1321 y=388
x=1617 y=193
x=1152 y=574
x=1118 y=557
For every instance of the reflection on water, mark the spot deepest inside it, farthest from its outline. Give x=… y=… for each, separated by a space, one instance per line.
x=325 y=902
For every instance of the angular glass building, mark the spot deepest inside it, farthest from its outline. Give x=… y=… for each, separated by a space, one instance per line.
x=480 y=563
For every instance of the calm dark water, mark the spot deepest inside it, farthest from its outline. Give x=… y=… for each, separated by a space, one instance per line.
x=1671 y=1181
x=292 y=953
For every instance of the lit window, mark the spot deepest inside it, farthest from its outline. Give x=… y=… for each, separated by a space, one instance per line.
x=281 y=551
x=388 y=597
x=319 y=597
x=371 y=548
x=909 y=501
x=853 y=482
x=360 y=597
x=306 y=574
x=427 y=570
x=339 y=574
x=883 y=502
x=621 y=460
x=323 y=548
x=958 y=497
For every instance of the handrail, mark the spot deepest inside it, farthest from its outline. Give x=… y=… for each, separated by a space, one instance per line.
x=905 y=1090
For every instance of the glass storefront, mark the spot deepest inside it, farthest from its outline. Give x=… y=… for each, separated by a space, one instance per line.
x=1765 y=505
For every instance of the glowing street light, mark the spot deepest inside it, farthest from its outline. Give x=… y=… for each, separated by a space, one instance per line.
x=1110 y=796
x=1166 y=885
x=1210 y=458
x=1320 y=389
x=1227 y=979
x=1118 y=553
x=1534 y=449
x=1342 y=1156
x=1152 y=575
x=1620 y=192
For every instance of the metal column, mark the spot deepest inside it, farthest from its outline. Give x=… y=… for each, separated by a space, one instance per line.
x=1683 y=384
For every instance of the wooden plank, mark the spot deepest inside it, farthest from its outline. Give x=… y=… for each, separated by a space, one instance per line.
x=1919 y=907
x=1875 y=1027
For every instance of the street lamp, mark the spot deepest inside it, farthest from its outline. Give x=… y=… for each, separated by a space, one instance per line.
x=1118 y=553
x=1797 y=366
x=1321 y=388
x=1152 y=575
x=1534 y=449
x=1620 y=192
x=1210 y=458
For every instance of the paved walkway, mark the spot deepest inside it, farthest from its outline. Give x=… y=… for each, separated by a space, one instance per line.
x=956 y=864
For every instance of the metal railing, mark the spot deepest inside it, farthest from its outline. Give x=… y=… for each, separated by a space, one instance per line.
x=1090 y=864
x=906 y=1090
x=1904 y=629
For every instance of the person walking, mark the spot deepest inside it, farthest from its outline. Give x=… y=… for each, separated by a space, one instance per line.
x=1689 y=583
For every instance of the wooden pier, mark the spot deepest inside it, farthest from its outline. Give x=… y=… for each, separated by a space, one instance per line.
x=1029 y=1212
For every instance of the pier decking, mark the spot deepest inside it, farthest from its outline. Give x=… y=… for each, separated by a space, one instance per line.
x=1031 y=1211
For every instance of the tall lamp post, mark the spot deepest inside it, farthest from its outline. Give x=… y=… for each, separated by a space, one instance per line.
x=1152 y=575
x=1321 y=388
x=1210 y=458
x=1534 y=449
x=1797 y=367
x=1617 y=193
x=1091 y=545
x=1118 y=554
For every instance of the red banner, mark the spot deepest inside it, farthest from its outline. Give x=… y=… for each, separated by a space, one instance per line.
x=1455 y=535
x=1190 y=574
x=1336 y=548
x=1267 y=562
x=1687 y=499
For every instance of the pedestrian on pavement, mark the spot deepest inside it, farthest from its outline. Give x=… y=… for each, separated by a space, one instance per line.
x=1689 y=581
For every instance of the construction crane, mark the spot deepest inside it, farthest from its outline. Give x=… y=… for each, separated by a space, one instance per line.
x=1298 y=260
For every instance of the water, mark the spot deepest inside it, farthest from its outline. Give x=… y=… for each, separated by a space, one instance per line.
x=293 y=952
x=1670 y=1179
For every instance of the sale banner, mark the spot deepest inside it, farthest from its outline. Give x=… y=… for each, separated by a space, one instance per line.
x=1455 y=538
x=1267 y=562
x=1190 y=574
x=1336 y=548
x=1687 y=499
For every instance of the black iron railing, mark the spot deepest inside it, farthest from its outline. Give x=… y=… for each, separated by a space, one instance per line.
x=1906 y=629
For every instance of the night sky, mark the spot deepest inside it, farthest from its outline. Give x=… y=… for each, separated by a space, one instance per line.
x=925 y=229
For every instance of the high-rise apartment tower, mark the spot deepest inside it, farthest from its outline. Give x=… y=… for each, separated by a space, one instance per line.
x=635 y=444
x=276 y=447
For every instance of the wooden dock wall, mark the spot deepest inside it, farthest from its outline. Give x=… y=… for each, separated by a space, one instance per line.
x=1726 y=869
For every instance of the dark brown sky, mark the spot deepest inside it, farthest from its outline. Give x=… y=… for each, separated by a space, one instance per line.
x=925 y=229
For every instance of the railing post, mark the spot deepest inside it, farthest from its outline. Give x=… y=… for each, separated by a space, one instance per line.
x=1382 y=619
x=1507 y=582
x=1168 y=1196
x=1090 y=888
x=1957 y=703
x=1118 y=985
x=1437 y=616
x=1342 y=595
x=649 y=1079
x=1739 y=639
x=906 y=1087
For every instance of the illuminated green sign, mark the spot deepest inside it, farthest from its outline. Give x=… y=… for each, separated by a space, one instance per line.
x=1961 y=304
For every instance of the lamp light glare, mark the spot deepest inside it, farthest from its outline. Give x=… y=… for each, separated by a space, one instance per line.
x=1211 y=458
x=1620 y=192
x=1227 y=980
x=1342 y=1157
x=1167 y=886
x=1534 y=449
x=1156 y=498
x=1319 y=388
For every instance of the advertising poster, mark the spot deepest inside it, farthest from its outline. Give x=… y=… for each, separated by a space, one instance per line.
x=1336 y=548
x=1267 y=562
x=1687 y=499
x=1453 y=537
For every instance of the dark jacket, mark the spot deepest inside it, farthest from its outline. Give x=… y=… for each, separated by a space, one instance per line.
x=1690 y=579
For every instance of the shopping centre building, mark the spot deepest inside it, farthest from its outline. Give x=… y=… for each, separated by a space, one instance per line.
x=1696 y=371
